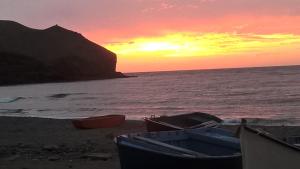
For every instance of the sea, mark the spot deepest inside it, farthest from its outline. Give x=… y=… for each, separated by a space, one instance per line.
x=268 y=96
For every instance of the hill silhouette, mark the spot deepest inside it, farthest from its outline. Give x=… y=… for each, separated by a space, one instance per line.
x=54 y=54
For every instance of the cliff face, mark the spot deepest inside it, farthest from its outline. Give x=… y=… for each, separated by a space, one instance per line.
x=54 y=54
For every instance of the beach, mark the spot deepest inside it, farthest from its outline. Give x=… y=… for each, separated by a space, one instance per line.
x=35 y=143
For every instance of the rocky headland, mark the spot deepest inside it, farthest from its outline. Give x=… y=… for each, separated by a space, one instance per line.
x=54 y=54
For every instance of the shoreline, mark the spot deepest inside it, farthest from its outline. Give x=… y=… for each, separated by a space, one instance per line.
x=34 y=143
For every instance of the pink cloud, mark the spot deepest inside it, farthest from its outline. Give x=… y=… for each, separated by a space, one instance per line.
x=123 y=18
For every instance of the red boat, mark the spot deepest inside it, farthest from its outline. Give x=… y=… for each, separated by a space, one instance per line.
x=107 y=121
x=182 y=121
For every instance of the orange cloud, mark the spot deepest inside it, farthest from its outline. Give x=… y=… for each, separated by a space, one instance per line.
x=228 y=24
x=188 y=50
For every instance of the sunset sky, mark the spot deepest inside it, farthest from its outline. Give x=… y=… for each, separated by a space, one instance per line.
x=155 y=35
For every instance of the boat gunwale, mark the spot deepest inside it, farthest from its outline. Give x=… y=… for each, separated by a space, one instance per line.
x=163 y=124
x=131 y=145
x=188 y=131
x=271 y=138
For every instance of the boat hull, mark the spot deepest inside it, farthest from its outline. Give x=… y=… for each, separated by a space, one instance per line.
x=108 y=121
x=132 y=158
x=179 y=122
x=262 y=151
x=178 y=150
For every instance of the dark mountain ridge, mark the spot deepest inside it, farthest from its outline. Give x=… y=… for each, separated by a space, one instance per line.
x=51 y=55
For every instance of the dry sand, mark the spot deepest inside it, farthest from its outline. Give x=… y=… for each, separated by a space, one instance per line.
x=34 y=143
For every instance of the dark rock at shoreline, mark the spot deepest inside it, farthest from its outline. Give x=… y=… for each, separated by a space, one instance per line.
x=54 y=54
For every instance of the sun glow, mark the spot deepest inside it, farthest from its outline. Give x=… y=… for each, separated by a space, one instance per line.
x=158 y=46
x=204 y=50
x=199 y=45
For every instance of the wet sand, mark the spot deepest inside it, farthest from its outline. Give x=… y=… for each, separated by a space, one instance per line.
x=34 y=143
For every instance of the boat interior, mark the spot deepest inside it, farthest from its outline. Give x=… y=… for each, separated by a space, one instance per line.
x=206 y=144
x=187 y=120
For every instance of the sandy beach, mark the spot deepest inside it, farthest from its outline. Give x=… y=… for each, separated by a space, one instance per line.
x=35 y=143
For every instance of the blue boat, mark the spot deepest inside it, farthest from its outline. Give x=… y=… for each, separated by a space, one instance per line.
x=204 y=148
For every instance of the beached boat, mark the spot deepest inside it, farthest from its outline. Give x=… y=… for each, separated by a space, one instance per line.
x=261 y=150
x=182 y=121
x=205 y=148
x=107 y=121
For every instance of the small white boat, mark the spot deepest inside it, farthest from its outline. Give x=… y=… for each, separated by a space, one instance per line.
x=261 y=150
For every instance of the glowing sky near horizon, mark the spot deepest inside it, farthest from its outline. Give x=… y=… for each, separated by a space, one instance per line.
x=154 y=35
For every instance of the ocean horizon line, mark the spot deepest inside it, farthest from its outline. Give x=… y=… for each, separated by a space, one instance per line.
x=215 y=69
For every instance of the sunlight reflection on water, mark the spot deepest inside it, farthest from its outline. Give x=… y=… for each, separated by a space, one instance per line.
x=270 y=93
